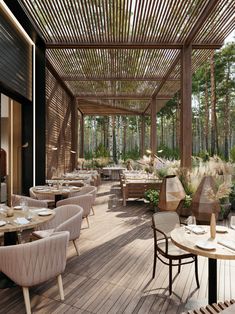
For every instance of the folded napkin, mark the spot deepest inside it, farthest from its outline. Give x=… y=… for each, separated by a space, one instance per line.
x=228 y=243
x=21 y=221
x=196 y=229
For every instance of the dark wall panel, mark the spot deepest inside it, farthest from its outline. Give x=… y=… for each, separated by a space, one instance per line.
x=15 y=59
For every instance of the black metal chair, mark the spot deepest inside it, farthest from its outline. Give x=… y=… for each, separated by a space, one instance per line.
x=168 y=253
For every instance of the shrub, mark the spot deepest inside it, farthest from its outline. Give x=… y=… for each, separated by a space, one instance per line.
x=152 y=196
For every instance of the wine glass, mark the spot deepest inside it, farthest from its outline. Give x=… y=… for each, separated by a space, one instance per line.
x=191 y=221
x=232 y=222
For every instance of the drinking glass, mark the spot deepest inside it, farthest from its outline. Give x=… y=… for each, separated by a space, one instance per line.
x=191 y=221
x=232 y=222
x=25 y=209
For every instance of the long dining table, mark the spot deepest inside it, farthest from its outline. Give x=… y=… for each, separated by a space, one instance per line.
x=200 y=243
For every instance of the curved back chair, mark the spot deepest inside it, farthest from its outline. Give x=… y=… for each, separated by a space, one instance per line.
x=32 y=263
x=74 y=183
x=164 y=249
x=85 y=201
x=31 y=193
x=17 y=199
x=67 y=218
x=49 y=198
x=87 y=190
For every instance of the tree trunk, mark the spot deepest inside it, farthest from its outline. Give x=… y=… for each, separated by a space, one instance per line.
x=214 y=136
x=226 y=116
x=124 y=137
x=162 y=130
x=173 y=132
x=178 y=124
x=206 y=128
x=114 y=140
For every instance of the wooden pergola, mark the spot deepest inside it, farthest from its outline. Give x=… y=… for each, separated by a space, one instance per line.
x=131 y=56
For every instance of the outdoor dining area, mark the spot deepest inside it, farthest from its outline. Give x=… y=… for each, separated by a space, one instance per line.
x=117 y=159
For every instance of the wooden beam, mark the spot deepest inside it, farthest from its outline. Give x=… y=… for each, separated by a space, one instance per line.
x=120 y=97
x=157 y=90
x=127 y=45
x=201 y=20
x=153 y=131
x=112 y=78
x=106 y=106
x=117 y=45
x=58 y=78
x=74 y=134
x=186 y=108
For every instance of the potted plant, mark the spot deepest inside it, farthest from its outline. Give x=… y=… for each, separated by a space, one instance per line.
x=225 y=207
x=222 y=195
x=152 y=196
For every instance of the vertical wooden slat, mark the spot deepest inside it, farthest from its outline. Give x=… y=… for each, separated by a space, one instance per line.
x=186 y=108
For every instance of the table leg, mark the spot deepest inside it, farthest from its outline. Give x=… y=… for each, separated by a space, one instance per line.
x=58 y=197
x=10 y=238
x=212 y=280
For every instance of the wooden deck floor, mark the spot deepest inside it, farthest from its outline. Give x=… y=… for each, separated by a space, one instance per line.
x=113 y=272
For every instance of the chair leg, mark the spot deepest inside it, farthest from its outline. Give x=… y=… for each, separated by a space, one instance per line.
x=26 y=300
x=60 y=286
x=170 y=276
x=179 y=267
x=154 y=261
x=76 y=247
x=92 y=209
x=196 y=272
x=87 y=220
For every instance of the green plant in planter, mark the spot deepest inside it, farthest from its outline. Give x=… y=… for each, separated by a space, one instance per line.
x=187 y=201
x=152 y=196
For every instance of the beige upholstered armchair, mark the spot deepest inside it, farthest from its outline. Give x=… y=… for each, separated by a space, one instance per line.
x=67 y=218
x=16 y=200
x=85 y=201
x=32 y=263
x=46 y=197
x=86 y=190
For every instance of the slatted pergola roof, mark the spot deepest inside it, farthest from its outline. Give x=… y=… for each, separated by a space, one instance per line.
x=116 y=55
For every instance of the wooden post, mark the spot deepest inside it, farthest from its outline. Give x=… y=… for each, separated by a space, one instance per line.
x=74 y=132
x=186 y=108
x=82 y=136
x=153 y=132
x=142 y=143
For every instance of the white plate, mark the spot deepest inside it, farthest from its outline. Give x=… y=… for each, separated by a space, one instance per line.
x=45 y=213
x=18 y=207
x=221 y=229
x=206 y=245
x=2 y=223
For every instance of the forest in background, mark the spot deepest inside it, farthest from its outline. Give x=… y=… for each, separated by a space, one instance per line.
x=213 y=119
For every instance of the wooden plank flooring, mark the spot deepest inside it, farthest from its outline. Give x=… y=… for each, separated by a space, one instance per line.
x=113 y=272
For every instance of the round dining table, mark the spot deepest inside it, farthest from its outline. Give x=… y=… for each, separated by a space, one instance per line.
x=201 y=244
x=58 y=192
x=17 y=223
x=21 y=220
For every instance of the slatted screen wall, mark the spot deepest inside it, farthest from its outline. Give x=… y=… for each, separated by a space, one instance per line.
x=58 y=127
x=15 y=59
